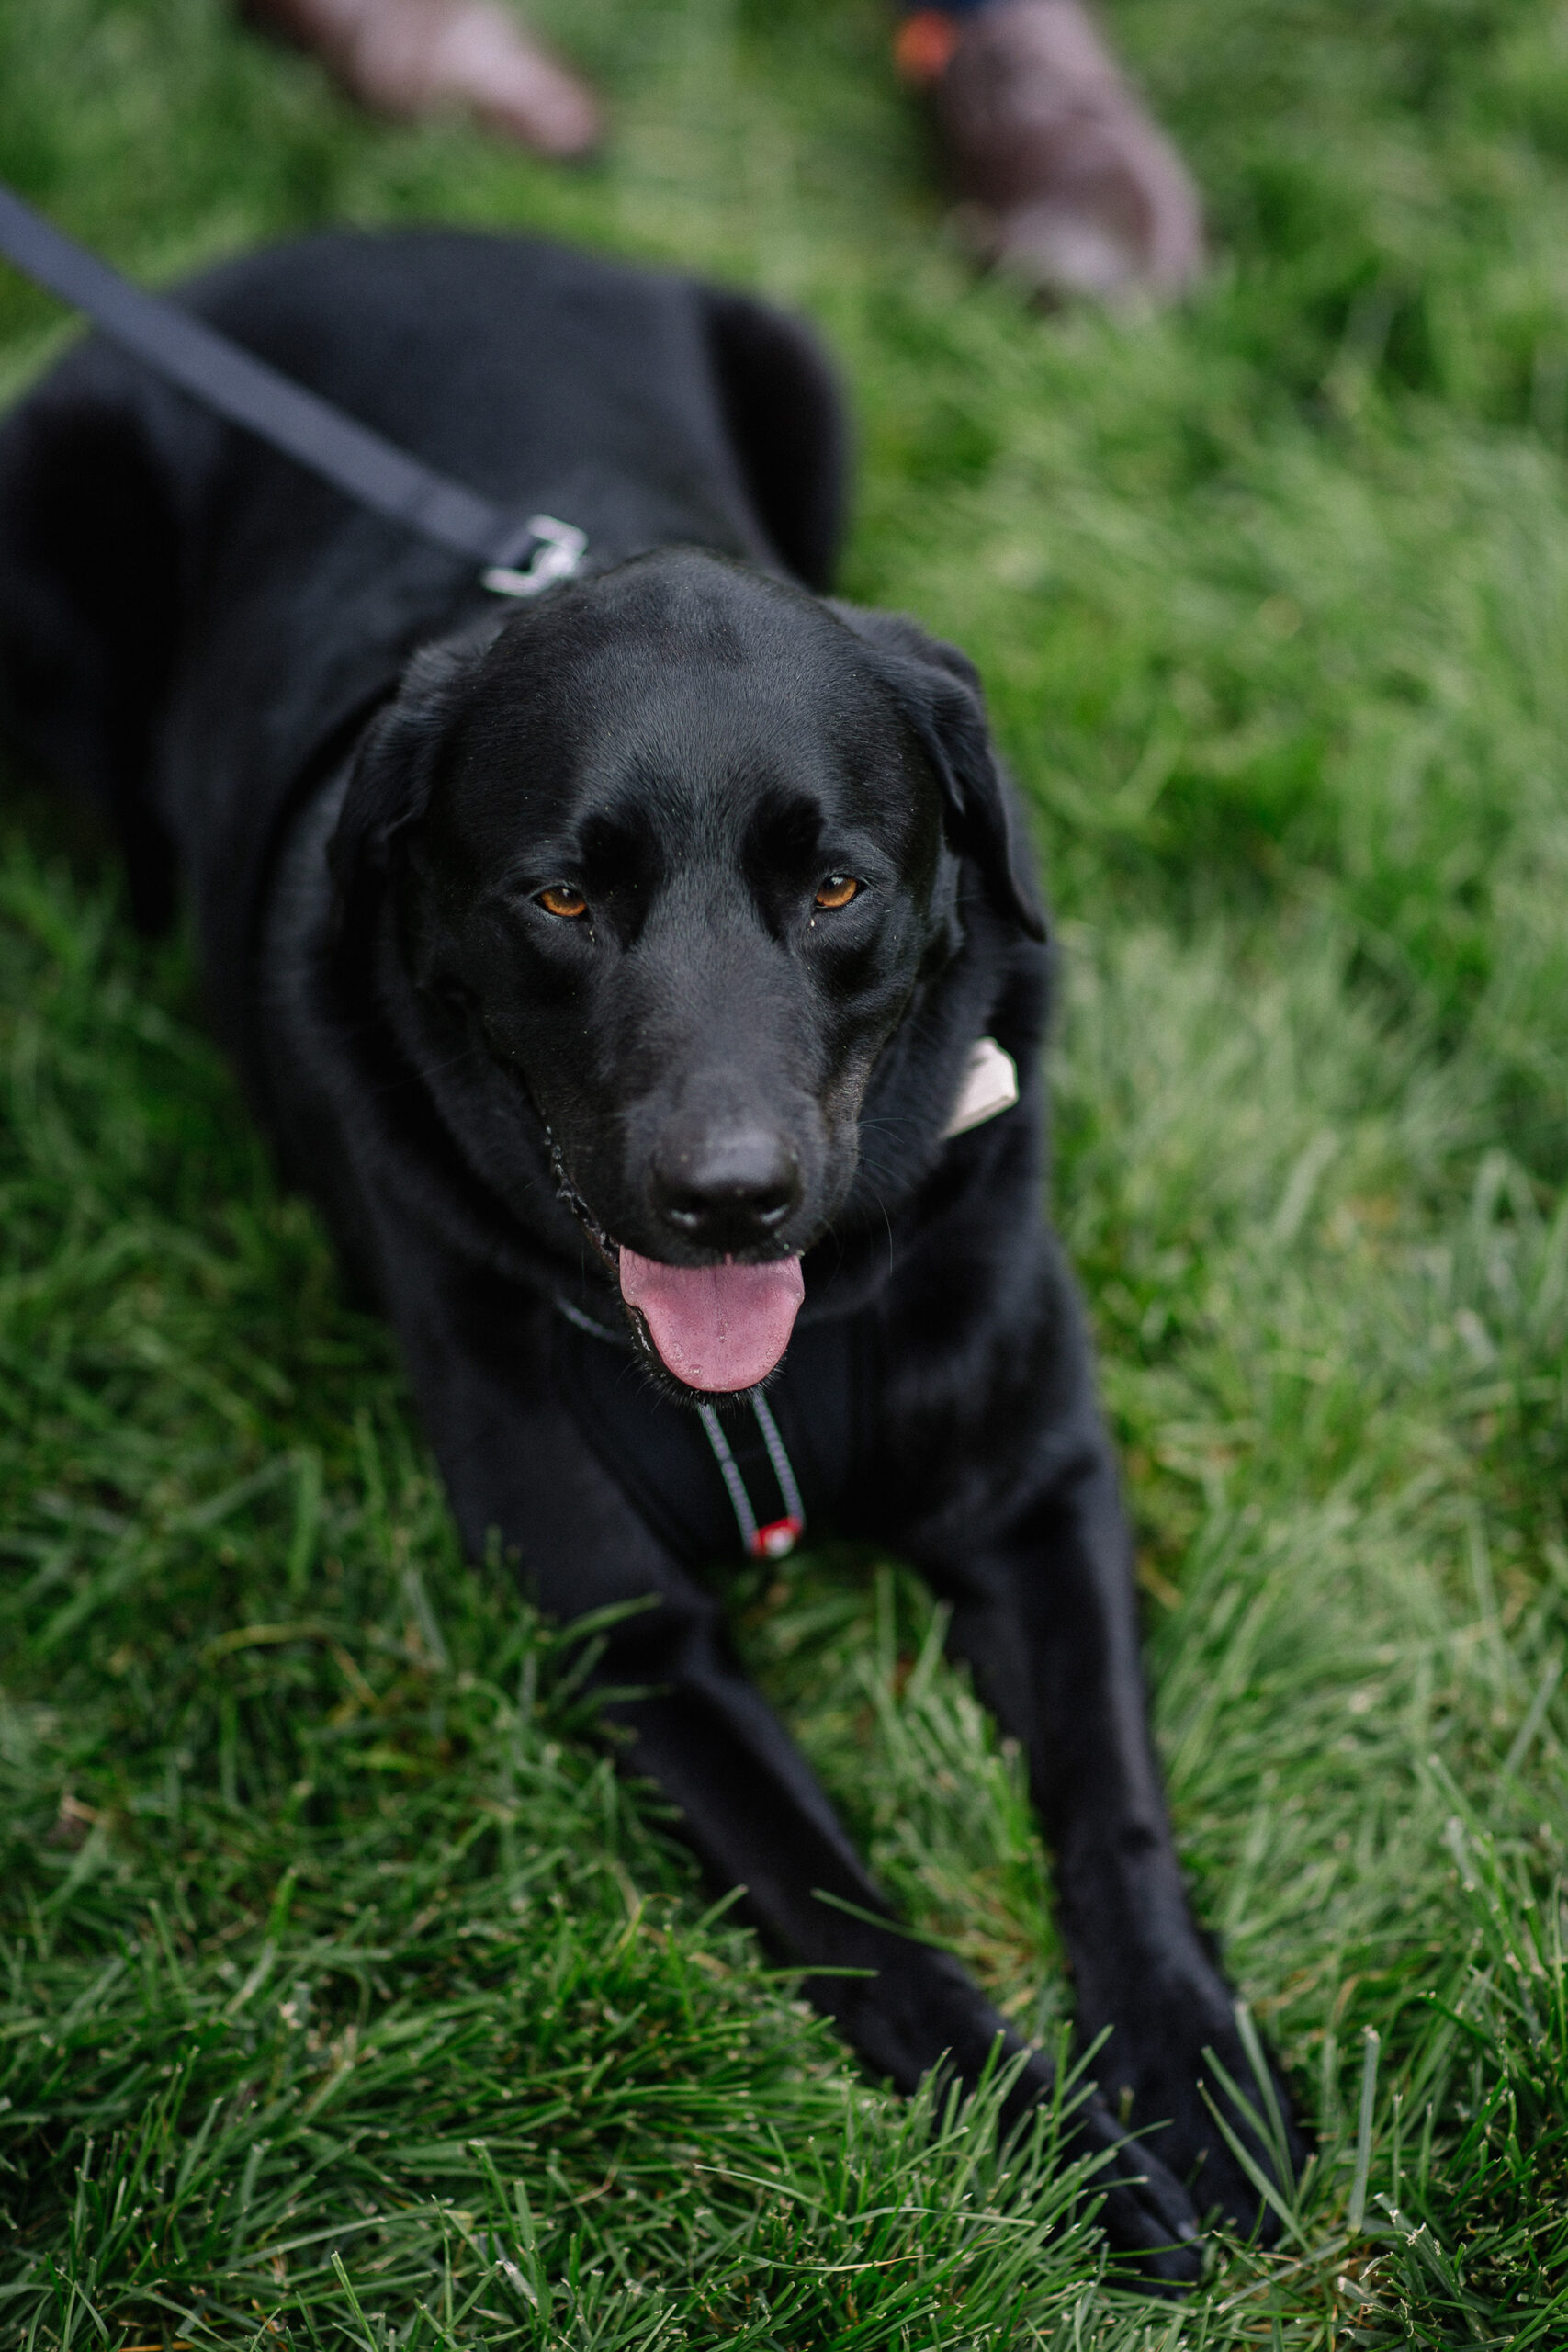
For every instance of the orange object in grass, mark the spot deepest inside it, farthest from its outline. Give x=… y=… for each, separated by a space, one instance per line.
x=923 y=44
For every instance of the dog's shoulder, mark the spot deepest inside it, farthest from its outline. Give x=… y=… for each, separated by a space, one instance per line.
x=470 y=347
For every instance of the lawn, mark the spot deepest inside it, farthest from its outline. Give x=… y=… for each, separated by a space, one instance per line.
x=349 y=1997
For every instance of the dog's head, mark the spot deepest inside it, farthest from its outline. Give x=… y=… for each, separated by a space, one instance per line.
x=673 y=852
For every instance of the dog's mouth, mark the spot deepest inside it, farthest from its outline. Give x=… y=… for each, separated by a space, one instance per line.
x=718 y=1328
x=714 y=1328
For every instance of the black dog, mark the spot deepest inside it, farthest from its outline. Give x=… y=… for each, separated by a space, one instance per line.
x=609 y=969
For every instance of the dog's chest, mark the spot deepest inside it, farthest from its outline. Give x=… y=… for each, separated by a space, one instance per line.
x=735 y=1479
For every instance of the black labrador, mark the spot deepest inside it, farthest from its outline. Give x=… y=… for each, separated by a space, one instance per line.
x=614 y=969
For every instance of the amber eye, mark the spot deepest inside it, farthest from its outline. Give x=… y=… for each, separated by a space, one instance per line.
x=561 y=899
x=837 y=891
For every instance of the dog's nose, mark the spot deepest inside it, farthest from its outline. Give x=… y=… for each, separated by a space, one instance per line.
x=727 y=1189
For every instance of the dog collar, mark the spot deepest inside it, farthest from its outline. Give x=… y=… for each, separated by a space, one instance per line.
x=762 y=1538
x=772 y=1539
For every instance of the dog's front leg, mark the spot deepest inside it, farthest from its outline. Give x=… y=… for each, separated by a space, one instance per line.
x=1044 y=1612
x=515 y=1461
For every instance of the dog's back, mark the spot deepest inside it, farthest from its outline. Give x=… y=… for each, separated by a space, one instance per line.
x=190 y=623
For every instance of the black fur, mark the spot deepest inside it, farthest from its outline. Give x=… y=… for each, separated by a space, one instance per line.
x=365 y=773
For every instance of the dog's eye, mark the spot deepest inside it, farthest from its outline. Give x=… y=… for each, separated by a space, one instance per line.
x=837 y=891
x=561 y=899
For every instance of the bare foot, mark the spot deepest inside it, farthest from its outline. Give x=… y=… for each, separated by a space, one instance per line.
x=412 y=58
x=1069 y=184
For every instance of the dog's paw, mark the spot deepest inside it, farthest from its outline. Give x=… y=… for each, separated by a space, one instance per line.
x=1148 y=2215
x=1242 y=2088
x=1188 y=2080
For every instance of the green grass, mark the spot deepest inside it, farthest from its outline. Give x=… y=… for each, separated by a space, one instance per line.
x=349 y=1998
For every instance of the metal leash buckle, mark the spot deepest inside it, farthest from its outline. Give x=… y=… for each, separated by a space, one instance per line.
x=553 y=551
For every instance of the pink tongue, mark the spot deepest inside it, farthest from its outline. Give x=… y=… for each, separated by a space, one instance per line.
x=715 y=1327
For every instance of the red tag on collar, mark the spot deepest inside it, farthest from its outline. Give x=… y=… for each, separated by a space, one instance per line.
x=778 y=1539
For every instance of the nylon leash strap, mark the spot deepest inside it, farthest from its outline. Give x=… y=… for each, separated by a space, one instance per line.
x=518 y=557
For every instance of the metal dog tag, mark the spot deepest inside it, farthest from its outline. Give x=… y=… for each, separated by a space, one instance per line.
x=990 y=1085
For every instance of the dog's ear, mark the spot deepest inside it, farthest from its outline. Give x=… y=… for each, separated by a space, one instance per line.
x=399 y=758
x=938 y=691
x=785 y=418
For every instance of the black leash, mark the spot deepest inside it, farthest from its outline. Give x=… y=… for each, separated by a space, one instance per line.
x=518 y=557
